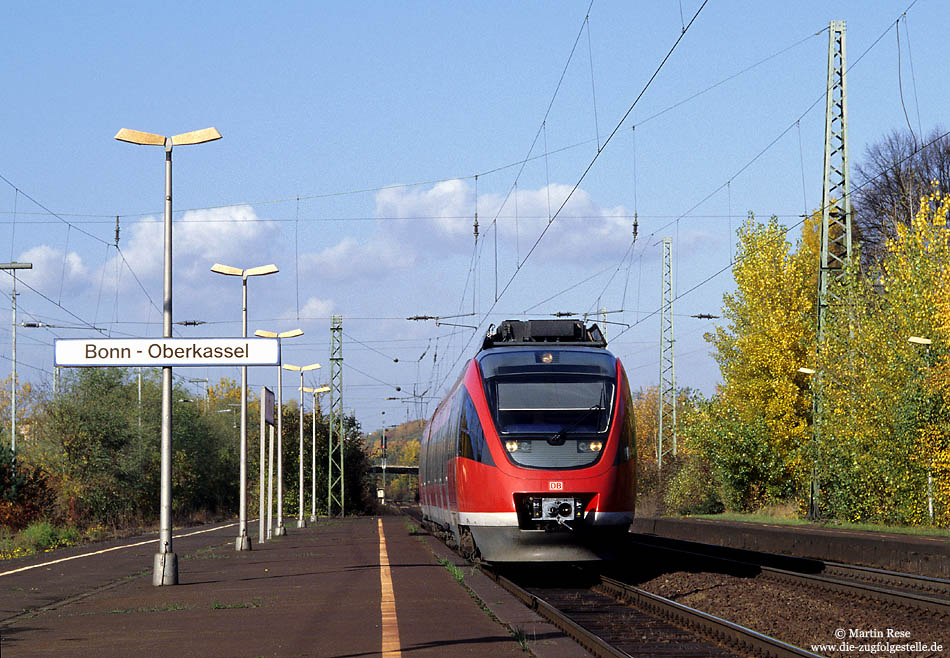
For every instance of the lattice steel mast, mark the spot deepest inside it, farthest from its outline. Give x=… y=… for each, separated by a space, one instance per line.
x=835 y=220
x=667 y=398
x=836 y=185
x=335 y=452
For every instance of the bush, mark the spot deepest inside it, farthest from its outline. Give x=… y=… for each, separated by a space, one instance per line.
x=43 y=536
x=692 y=490
x=749 y=470
x=24 y=491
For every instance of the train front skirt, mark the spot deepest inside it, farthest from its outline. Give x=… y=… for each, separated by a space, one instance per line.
x=597 y=537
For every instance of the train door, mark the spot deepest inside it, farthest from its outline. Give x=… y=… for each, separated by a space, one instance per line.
x=451 y=446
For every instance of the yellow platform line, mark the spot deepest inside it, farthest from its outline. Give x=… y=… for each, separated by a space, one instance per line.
x=390 y=625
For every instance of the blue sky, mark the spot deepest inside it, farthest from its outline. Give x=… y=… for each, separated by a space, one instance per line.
x=352 y=135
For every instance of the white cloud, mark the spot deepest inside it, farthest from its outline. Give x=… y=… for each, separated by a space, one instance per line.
x=426 y=223
x=349 y=258
x=52 y=271
x=200 y=239
x=316 y=308
x=444 y=202
x=583 y=232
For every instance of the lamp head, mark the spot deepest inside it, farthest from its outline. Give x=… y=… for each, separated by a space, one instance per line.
x=261 y=270
x=227 y=269
x=139 y=137
x=195 y=137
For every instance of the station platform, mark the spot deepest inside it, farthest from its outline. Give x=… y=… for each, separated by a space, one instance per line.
x=363 y=586
x=918 y=554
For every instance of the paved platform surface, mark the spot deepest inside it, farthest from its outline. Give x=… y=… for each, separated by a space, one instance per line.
x=315 y=592
x=923 y=555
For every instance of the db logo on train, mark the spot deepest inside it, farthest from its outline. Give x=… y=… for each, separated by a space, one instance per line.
x=555 y=486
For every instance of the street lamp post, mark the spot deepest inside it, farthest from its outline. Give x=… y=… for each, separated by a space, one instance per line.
x=243 y=542
x=313 y=451
x=165 y=570
x=926 y=342
x=14 y=266
x=280 y=531
x=301 y=369
x=813 y=490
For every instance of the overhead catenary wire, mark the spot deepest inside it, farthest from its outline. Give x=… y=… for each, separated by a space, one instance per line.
x=786 y=230
x=757 y=156
x=53 y=302
x=913 y=75
x=108 y=217
x=586 y=171
x=900 y=82
x=372 y=349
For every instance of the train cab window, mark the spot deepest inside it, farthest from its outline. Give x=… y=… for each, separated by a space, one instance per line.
x=471 y=437
x=552 y=408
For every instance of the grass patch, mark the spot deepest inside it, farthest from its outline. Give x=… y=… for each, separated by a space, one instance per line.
x=37 y=537
x=517 y=633
x=209 y=553
x=759 y=517
x=454 y=570
x=521 y=637
x=256 y=602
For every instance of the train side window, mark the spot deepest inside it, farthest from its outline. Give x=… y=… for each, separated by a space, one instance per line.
x=465 y=448
x=428 y=472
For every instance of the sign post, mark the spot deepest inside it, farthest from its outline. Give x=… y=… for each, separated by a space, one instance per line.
x=267 y=419
x=166 y=352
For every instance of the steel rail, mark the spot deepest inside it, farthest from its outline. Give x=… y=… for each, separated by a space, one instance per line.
x=707 y=624
x=588 y=640
x=838 y=583
x=938 y=586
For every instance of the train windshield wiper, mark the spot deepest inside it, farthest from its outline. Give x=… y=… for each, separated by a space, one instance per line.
x=558 y=437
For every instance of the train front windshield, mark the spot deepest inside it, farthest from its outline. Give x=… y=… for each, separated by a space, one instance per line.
x=552 y=408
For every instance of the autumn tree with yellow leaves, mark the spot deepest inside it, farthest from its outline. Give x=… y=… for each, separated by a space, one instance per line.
x=884 y=426
x=754 y=431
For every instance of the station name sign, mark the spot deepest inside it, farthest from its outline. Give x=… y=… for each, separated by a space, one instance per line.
x=167 y=352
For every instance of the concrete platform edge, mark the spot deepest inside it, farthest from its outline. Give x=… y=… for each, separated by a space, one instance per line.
x=543 y=638
x=923 y=555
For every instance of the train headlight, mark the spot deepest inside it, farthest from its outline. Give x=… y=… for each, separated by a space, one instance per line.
x=511 y=446
x=590 y=446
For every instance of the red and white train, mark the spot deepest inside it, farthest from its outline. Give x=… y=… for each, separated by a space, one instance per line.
x=532 y=455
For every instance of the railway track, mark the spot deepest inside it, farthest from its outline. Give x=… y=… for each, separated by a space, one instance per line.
x=610 y=618
x=796 y=599
x=887 y=587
